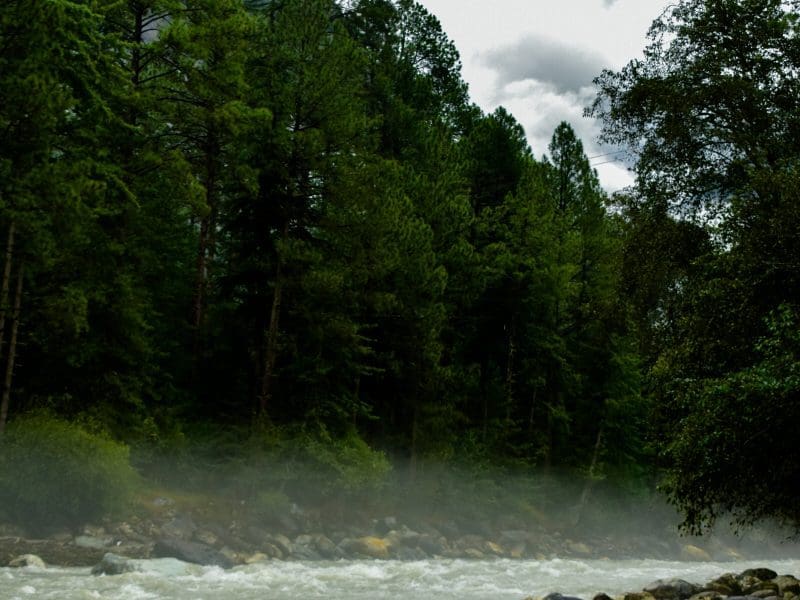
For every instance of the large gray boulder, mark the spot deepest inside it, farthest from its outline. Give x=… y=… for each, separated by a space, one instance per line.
x=27 y=560
x=671 y=589
x=192 y=552
x=113 y=564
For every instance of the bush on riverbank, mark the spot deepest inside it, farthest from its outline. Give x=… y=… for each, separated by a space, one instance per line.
x=56 y=474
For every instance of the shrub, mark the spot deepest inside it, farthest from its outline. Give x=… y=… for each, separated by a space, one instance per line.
x=55 y=474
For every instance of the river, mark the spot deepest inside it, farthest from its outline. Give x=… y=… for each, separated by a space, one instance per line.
x=440 y=579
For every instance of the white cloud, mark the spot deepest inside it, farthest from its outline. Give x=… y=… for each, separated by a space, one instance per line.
x=565 y=66
x=537 y=58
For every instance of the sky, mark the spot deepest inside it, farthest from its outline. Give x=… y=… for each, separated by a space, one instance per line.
x=538 y=58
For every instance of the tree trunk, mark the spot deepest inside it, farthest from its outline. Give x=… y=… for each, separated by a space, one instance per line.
x=587 y=488
x=205 y=245
x=532 y=412
x=271 y=352
x=512 y=351
x=12 y=350
x=6 y=282
x=412 y=463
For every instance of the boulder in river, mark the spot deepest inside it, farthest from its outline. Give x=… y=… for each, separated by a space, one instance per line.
x=113 y=564
x=371 y=547
x=760 y=573
x=787 y=584
x=192 y=552
x=672 y=589
x=27 y=560
x=694 y=553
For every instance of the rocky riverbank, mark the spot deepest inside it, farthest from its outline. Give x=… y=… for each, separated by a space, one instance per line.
x=751 y=584
x=194 y=537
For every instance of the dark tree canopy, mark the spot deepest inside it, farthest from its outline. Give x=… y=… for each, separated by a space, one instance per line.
x=712 y=114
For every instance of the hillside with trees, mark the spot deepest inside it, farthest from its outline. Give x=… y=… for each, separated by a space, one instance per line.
x=234 y=228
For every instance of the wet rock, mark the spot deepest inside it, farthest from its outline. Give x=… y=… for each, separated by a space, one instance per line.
x=305 y=553
x=283 y=543
x=272 y=551
x=450 y=530
x=760 y=573
x=557 y=596
x=408 y=554
x=638 y=596
x=474 y=553
x=708 y=595
x=469 y=541
x=27 y=560
x=384 y=525
x=492 y=548
x=207 y=537
x=258 y=557
x=601 y=596
x=181 y=527
x=432 y=545
x=113 y=564
x=764 y=593
x=727 y=585
x=748 y=584
x=690 y=552
x=671 y=589
x=326 y=548
x=787 y=584
x=372 y=547
x=192 y=552
x=369 y=547
x=87 y=541
x=578 y=548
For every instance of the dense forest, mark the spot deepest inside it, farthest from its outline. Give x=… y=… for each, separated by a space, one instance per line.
x=285 y=220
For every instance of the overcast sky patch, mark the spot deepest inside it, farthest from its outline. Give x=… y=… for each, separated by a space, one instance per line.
x=567 y=68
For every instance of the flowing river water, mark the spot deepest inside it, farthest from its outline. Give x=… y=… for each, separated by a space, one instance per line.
x=440 y=579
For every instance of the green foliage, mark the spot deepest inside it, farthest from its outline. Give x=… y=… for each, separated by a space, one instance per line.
x=716 y=210
x=56 y=474
x=733 y=454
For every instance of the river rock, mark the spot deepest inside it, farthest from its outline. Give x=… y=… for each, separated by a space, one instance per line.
x=727 y=585
x=578 y=548
x=257 y=557
x=88 y=541
x=759 y=573
x=282 y=542
x=787 y=584
x=371 y=547
x=557 y=596
x=181 y=527
x=384 y=526
x=708 y=595
x=671 y=589
x=690 y=552
x=27 y=560
x=192 y=552
x=492 y=548
x=601 y=596
x=638 y=596
x=325 y=546
x=113 y=564
x=405 y=553
x=374 y=547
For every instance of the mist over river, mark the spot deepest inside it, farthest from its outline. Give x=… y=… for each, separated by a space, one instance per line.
x=441 y=579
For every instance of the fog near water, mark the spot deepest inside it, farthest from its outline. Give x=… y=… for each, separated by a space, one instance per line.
x=616 y=517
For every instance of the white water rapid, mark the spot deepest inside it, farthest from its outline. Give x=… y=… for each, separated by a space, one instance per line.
x=441 y=579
